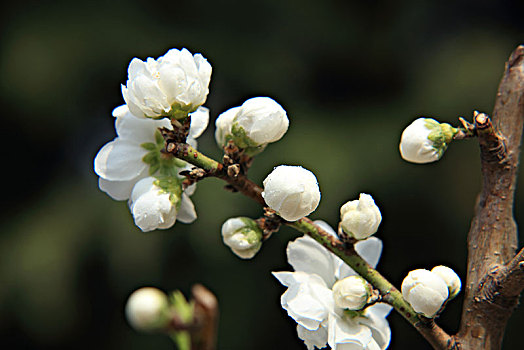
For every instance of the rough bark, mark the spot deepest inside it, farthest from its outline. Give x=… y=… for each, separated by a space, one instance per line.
x=492 y=239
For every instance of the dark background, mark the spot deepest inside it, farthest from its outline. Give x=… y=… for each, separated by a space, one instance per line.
x=351 y=75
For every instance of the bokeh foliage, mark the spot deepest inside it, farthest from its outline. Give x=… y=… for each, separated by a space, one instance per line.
x=351 y=74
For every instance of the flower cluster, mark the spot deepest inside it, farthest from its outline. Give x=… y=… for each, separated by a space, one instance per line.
x=321 y=306
x=133 y=165
x=427 y=291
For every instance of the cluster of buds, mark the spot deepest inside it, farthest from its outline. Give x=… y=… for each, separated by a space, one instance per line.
x=427 y=291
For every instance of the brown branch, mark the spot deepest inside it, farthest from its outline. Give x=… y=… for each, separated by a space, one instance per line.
x=492 y=239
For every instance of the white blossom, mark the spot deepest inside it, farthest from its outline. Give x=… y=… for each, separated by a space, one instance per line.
x=425 y=140
x=425 y=291
x=309 y=299
x=146 y=309
x=171 y=86
x=120 y=163
x=291 y=191
x=243 y=236
x=154 y=208
x=351 y=293
x=360 y=218
x=450 y=277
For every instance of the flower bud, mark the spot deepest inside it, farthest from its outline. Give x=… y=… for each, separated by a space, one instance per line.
x=243 y=236
x=450 y=277
x=223 y=125
x=171 y=86
x=351 y=293
x=360 y=218
x=425 y=140
x=152 y=206
x=291 y=191
x=147 y=309
x=425 y=291
x=259 y=121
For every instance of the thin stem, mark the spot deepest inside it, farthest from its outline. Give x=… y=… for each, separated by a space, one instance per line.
x=391 y=295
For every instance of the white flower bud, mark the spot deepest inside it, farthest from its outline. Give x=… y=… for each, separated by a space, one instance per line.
x=450 y=277
x=147 y=309
x=223 y=125
x=291 y=191
x=351 y=293
x=425 y=140
x=171 y=86
x=243 y=236
x=360 y=218
x=425 y=291
x=259 y=121
x=151 y=206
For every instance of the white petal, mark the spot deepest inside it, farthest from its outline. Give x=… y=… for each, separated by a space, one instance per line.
x=317 y=338
x=370 y=249
x=347 y=334
x=307 y=255
x=308 y=301
x=375 y=319
x=186 y=212
x=138 y=130
x=120 y=160
x=119 y=190
x=199 y=122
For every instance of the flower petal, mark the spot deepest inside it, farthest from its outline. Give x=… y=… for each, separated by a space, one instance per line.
x=186 y=212
x=374 y=318
x=345 y=334
x=317 y=338
x=199 y=122
x=370 y=249
x=307 y=255
x=139 y=130
x=308 y=301
x=119 y=190
x=119 y=160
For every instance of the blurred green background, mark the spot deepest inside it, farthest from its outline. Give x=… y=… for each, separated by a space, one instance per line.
x=351 y=75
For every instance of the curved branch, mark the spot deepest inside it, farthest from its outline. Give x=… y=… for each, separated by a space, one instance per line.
x=391 y=295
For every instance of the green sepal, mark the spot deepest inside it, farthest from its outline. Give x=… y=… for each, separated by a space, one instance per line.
x=149 y=146
x=159 y=139
x=151 y=158
x=441 y=135
x=240 y=137
x=354 y=313
x=154 y=168
x=171 y=185
x=251 y=231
